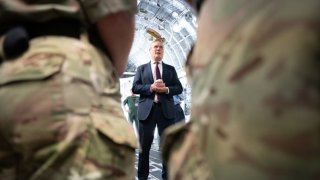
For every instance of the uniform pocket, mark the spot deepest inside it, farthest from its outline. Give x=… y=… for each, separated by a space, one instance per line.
x=115 y=128
x=36 y=66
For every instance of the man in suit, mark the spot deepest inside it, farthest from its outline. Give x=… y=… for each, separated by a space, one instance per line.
x=156 y=82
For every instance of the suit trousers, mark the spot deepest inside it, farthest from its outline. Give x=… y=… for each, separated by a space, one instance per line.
x=146 y=135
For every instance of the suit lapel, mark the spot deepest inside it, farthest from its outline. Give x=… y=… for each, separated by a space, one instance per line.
x=149 y=71
x=164 y=72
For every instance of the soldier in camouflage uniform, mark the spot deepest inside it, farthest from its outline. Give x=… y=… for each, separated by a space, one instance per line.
x=256 y=94
x=61 y=115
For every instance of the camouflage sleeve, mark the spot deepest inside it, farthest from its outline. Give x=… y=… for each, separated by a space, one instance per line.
x=173 y=136
x=95 y=9
x=180 y=149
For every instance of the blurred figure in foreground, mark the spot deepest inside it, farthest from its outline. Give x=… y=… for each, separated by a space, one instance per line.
x=255 y=94
x=61 y=115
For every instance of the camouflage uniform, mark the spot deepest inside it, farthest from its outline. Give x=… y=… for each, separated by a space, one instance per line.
x=256 y=94
x=60 y=115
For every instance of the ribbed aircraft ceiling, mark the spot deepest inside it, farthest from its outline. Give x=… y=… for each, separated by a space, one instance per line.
x=175 y=21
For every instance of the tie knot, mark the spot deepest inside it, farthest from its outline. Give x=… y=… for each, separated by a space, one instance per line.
x=157 y=63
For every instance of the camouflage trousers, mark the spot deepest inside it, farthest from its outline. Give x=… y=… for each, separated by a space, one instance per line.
x=61 y=116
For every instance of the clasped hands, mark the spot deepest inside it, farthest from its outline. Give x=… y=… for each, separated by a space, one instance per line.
x=159 y=86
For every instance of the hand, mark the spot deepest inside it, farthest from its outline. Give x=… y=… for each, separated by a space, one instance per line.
x=159 y=83
x=159 y=87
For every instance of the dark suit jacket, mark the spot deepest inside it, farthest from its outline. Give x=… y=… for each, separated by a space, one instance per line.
x=141 y=85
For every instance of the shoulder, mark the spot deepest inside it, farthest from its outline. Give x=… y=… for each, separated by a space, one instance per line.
x=167 y=65
x=143 y=66
x=164 y=65
x=97 y=9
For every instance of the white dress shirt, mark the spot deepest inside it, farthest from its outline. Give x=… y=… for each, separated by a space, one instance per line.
x=153 y=69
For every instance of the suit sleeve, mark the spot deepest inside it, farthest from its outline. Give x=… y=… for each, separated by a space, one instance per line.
x=138 y=86
x=175 y=86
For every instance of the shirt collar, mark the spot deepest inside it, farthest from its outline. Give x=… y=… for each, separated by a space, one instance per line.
x=153 y=62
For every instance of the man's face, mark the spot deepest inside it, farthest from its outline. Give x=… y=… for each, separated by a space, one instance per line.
x=156 y=51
